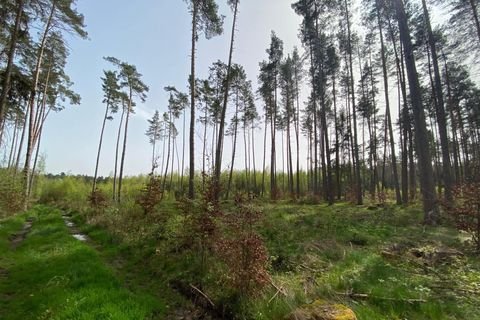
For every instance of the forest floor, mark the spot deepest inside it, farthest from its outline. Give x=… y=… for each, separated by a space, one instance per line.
x=379 y=261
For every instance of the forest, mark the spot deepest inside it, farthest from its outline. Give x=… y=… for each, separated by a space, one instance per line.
x=341 y=181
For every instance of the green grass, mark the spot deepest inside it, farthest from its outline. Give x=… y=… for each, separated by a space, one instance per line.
x=338 y=249
x=316 y=252
x=51 y=275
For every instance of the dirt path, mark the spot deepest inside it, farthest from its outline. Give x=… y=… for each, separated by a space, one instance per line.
x=18 y=238
x=74 y=231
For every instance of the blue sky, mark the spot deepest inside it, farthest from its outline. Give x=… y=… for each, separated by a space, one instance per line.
x=155 y=36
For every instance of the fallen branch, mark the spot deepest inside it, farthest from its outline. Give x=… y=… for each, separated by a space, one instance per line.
x=367 y=296
x=203 y=294
x=279 y=289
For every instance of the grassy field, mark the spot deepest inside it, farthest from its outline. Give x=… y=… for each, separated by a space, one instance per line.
x=378 y=260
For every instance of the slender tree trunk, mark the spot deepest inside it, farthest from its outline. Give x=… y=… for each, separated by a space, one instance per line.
x=116 y=153
x=233 y=151
x=122 y=161
x=219 y=151
x=22 y=139
x=387 y=110
x=14 y=142
x=423 y=151
x=253 y=159
x=264 y=153
x=100 y=149
x=440 y=108
x=337 y=142
x=10 y=58
x=204 y=147
x=183 y=151
x=168 y=156
x=191 y=179
x=354 y=113
x=297 y=131
x=31 y=105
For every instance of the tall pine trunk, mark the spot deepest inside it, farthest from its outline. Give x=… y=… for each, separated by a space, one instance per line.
x=440 y=108
x=94 y=186
x=125 y=135
x=191 y=176
x=117 y=147
x=421 y=135
x=31 y=106
x=219 y=150
x=357 y=167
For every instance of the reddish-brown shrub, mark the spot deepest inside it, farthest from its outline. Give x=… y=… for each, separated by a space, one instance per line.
x=151 y=194
x=242 y=249
x=466 y=210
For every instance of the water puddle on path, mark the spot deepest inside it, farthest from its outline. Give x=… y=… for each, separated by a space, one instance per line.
x=73 y=229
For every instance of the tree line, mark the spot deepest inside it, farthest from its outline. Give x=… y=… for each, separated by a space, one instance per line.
x=361 y=63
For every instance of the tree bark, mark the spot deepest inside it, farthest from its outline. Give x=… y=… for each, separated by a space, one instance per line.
x=31 y=106
x=94 y=186
x=354 y=114
x=440 y=109
x=219 y=150
x=125 y=135
x=191 y=178
x=423 y=151
x=116 y=152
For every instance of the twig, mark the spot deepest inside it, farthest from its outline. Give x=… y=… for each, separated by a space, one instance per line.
x=367 y=296
x=279 y=289
x=203 y=294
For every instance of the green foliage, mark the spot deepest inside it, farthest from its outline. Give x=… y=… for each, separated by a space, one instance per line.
x=47 y=276
x=11 y=193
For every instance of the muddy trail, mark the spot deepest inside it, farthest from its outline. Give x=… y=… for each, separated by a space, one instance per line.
x=20 y=236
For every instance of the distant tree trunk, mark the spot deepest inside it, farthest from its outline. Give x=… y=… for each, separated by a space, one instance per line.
x=122 y=161
x=191 y=179
x=234 y=149
x=14 y=142
x=116 y=152
x=290 y=163
x=337 y=142
x=297 y=131
x=94 y=186
x=174 y=139
x=264 y=153
x=456 y=158
x=440 y=109
x=421 y=136
x=204 y=147
x=354 y=114
x=273 y=172
x=253 y=159
x=245 y=147
x=183 y=151
x=22 y=139
x=387 y=110
x=219 y=150
x=10 y=57
x=168 y=155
